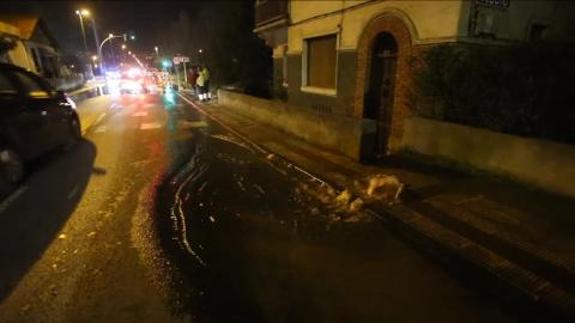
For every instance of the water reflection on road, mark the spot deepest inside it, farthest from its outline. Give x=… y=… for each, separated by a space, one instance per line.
x=256 y=247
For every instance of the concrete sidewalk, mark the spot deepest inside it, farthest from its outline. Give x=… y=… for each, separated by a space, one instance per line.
x=518 y=236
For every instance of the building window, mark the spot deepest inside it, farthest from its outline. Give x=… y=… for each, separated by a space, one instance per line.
x=320 y=62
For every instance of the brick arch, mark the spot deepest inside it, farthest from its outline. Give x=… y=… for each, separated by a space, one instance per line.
x=401 y=29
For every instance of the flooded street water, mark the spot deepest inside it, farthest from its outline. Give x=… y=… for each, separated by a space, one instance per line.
x=254 y=246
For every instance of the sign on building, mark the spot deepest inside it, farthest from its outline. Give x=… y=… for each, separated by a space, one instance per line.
x=495 y=3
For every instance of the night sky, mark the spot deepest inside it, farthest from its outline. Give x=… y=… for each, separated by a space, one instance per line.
x=147 y=20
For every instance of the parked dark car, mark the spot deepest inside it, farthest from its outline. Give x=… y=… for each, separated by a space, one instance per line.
x=34 y=119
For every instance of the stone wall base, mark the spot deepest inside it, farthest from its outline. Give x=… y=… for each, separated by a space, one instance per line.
x=337 y=133
x=546 y=164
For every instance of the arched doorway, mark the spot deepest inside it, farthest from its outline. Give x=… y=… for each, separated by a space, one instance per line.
x=380 y=90
x=383 y=82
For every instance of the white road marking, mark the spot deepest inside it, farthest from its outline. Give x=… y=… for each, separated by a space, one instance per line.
x=150 y=125
x=100 y=117
x=193 y=124
x=101 y=129
x=11 y=198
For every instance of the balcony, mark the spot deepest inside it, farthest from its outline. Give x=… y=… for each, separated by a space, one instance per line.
x=270 y=12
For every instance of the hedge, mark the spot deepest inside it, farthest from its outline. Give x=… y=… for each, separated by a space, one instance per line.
x=526 y=89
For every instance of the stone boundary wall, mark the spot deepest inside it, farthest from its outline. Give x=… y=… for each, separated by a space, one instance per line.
x=338 y=133
x=546 y=164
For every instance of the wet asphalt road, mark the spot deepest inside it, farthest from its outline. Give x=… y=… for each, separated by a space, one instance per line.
x=233 y=237
x=76 y=242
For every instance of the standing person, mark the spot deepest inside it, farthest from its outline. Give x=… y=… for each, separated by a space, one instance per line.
x=193 y=78
x=200 y=83
x=206 y=73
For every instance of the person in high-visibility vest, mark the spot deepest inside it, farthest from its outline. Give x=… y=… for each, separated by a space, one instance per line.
x=208 y=94
x=203 y=82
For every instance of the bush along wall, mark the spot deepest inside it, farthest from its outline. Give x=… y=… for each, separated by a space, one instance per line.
x=524 y=89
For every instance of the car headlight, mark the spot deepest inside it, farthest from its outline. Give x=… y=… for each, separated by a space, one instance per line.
x=71 y=103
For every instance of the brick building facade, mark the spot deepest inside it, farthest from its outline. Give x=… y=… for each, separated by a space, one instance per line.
x=351 y=58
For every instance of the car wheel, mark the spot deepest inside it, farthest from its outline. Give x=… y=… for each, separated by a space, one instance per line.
x=11 y=170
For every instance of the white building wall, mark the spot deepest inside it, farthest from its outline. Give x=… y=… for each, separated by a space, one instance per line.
x=430 y=21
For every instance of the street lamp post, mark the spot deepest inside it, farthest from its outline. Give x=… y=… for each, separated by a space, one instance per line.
x=110 y=37
x=81 y=14
x=84 y=13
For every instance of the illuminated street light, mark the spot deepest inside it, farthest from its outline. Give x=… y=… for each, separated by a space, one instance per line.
x=200 y=50
x=133 y=37
x=123 y=46
x=129 y=53
x=85 y=13
x=81 y=15
x=157 y=50
x=94 y=57
x=110 y=37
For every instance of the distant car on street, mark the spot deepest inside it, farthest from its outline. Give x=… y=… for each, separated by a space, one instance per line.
x=136 y=81
x=34 y=119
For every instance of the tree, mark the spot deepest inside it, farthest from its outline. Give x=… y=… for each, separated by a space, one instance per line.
x=223 y=31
